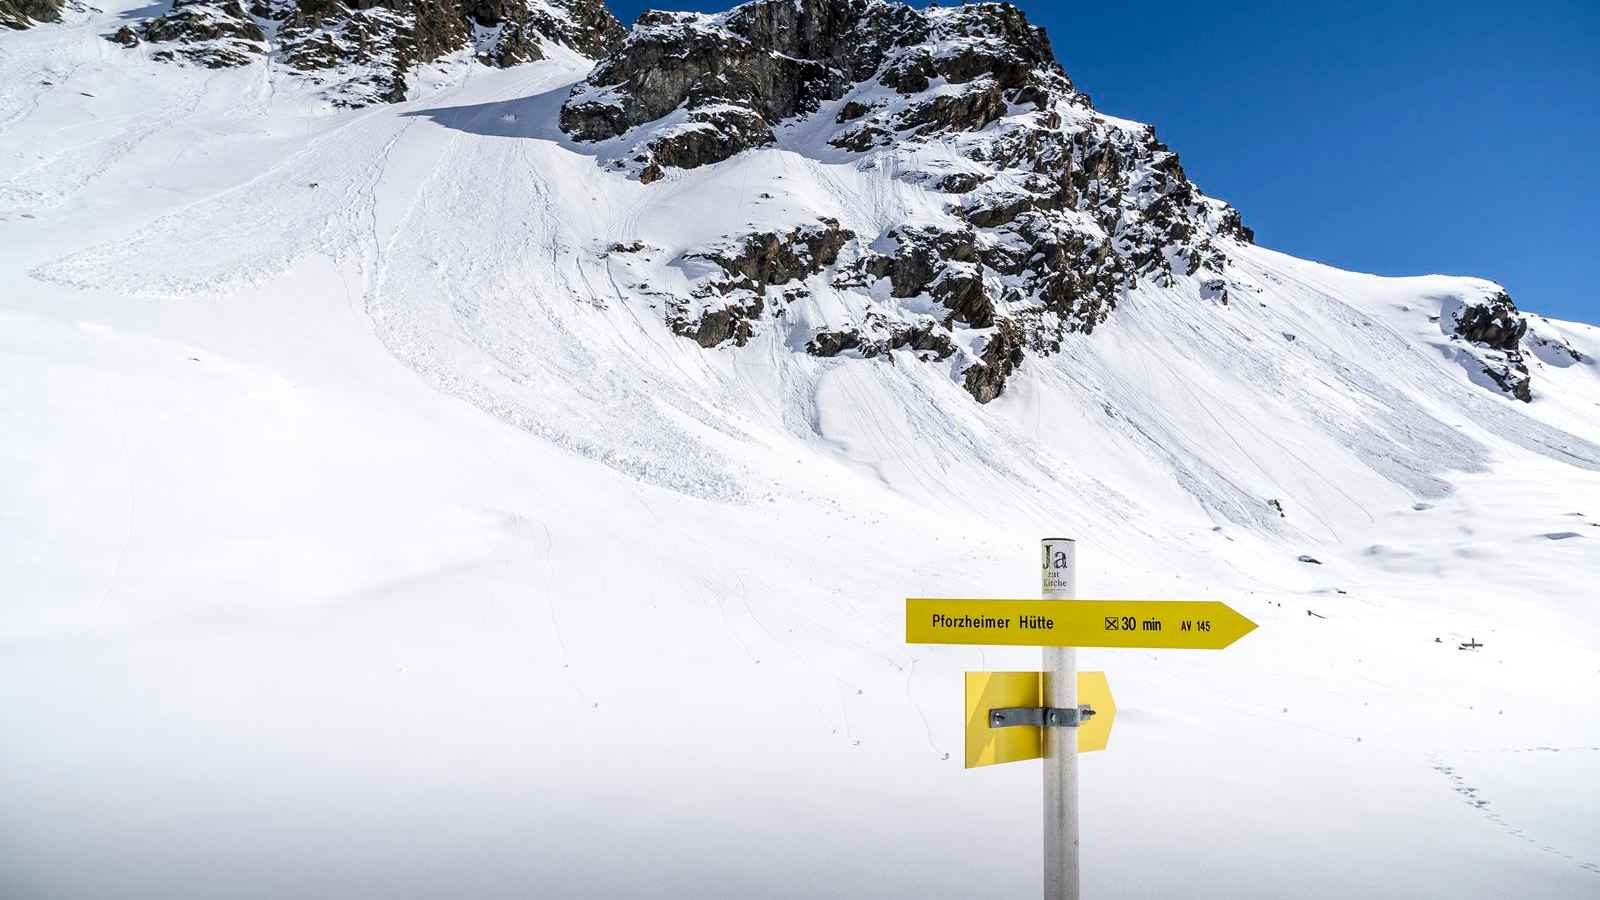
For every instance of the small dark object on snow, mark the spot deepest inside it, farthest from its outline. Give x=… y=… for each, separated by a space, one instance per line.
x=1318 y=615
x=1438 y=640
x=1310 y=559
x=1279 y=507
x=1470 y=645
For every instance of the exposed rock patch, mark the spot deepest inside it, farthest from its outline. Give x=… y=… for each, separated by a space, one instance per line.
x=217 y=34
x=767 y=258
x=879 y=337
x=1002 y=354
x=365 y=52
x=728 y=300
x=1054 y=211
x=20 y=14
x=1496 y=325
x=1494 y=322
x=737 y=73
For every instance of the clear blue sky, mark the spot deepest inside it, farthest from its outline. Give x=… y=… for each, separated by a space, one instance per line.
x=1392 y=137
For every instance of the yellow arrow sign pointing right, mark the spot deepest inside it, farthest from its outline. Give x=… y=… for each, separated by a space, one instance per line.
x=987 y=746
x=1154 y=624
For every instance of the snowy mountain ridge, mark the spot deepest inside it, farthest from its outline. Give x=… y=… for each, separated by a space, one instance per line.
x=435 y=495
x=1050 y=211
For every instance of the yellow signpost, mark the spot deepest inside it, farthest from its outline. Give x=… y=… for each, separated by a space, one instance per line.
x=988 y=746
x=1153 y=624
x=1013 y=716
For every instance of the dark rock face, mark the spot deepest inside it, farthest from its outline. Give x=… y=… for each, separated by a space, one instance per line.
x=921 y=257
x=737 y=74
x=381 y=44
x=1498 y=326
x=586 y=26
x=1495 y=323
x=726 y=130
x=20 y=14
x=217 y=34
x=365 y=50
x=960 y=182
x=732 y=322
x=926 y=338
x=734 y=297
x=769 y=258
x=1002 y=354
x=1513 y=379
x=768 y=60
x=1054 y=211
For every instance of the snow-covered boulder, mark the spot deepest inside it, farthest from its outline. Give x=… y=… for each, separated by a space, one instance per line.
x=1497 y=327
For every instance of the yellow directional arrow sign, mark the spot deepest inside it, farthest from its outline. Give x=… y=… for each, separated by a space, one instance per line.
x=1174 y=624
x=988 y=746
x=1094 y=690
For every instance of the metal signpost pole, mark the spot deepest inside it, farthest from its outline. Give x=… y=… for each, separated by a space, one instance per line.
x=1059 y=581
x=1012 y=716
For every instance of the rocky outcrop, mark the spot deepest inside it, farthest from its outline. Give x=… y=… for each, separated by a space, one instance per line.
x=770 y=258
x=518 y=28
x=1002 y=354
x=1495 y=323
x=731 y=322
x=760 y=63
x=921 y=256
x=731 y=291
x=217 y=34
x=20 y=14
x=1053 y=213
x=364 y=52
x=879 y=336
x=1498 y=327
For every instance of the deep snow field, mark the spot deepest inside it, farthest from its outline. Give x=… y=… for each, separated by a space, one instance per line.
x=364 y=533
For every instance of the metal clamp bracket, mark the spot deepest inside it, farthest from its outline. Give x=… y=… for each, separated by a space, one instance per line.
x=1039 y=716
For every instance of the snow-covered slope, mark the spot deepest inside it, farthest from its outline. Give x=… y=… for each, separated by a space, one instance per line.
x=369 y=527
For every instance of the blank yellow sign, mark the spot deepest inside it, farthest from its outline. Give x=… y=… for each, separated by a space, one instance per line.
x=1095 y=691
x=991 y=746
x=988 y=690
